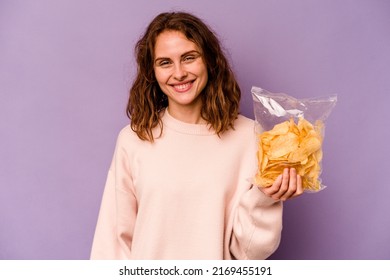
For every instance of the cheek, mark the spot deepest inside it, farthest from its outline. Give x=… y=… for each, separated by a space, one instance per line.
x=205 y=76
x=161 y=81
x=160 y=78
x=202 y=71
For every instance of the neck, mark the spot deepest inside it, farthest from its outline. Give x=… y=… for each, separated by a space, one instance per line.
x=187 y=115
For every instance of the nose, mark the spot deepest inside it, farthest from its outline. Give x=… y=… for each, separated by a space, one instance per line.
x=180 y=72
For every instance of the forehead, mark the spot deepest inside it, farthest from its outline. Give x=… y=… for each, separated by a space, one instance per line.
x=171 y=42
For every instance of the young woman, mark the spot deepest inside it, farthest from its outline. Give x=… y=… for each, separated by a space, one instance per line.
x=178 y=186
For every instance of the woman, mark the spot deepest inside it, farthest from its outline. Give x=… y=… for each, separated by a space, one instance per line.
x=178 y=186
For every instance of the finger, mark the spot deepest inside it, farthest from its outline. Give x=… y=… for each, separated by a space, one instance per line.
x=274 y=188
x=284 y=185
x=292 y=185
x=299 y=190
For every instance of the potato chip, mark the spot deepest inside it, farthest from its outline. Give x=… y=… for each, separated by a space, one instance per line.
x=290 y=134
x=283 y=145
x=291 y=145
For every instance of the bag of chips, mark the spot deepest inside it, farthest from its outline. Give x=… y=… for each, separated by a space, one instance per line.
x=290 y=134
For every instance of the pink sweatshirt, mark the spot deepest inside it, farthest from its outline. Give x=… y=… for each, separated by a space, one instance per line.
x=186 y=196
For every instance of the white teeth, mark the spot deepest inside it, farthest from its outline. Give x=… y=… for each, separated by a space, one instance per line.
x=182 y=86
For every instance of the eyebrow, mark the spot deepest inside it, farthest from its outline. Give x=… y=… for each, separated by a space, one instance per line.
x=184 y=54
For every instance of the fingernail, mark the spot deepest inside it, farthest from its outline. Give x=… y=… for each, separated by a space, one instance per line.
x=293 y=170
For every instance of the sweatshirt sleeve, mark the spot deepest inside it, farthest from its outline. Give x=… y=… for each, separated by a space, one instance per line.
x=114 y=229
x=257 y=226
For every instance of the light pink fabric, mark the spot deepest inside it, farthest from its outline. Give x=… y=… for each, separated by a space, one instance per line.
x=186 y=196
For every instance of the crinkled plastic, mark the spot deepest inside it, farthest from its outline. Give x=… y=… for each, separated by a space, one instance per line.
x=290 y=134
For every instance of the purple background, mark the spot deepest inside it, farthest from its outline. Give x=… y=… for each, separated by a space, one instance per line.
x=66 y=66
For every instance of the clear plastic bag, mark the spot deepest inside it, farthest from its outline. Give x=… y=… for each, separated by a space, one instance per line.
x=290 y=134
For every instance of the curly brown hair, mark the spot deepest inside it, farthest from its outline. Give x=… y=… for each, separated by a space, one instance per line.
x=220 y=97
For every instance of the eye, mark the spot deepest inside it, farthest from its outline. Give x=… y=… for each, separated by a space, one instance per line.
x=164 y=63
x=190 y=58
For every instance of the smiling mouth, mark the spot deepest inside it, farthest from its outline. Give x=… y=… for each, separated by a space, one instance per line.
x=183 y=87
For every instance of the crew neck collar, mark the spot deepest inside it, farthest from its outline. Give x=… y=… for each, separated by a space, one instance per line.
x=186 y=128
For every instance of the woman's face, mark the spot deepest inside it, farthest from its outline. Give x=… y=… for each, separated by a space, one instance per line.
x=180 y=70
